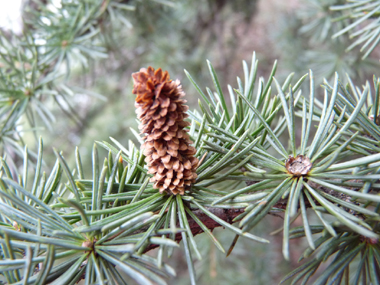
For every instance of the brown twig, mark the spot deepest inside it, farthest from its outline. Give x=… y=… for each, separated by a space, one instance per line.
x=226 y=215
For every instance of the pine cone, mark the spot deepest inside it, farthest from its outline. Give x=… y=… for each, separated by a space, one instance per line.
x=167 y=145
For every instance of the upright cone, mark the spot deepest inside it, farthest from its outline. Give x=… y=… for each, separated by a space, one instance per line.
x=167 y=145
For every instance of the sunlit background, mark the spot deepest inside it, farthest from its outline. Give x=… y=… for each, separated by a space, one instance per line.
x=10 y=15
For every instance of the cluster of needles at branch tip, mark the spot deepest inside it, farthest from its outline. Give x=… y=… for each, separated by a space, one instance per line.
x=167 y=146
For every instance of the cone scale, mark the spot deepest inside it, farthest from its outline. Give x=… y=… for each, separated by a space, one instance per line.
x=161 y=109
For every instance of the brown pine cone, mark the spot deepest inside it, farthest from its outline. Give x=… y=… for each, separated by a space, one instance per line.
x=167 y=145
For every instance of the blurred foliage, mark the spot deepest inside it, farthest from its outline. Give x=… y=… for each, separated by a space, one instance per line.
x=364 y=23
x=307 y=38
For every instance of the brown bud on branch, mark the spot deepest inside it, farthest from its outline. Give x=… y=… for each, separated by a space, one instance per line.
x=167 y=146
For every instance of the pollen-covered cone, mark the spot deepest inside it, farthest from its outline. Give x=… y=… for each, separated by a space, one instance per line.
x=167 y=145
